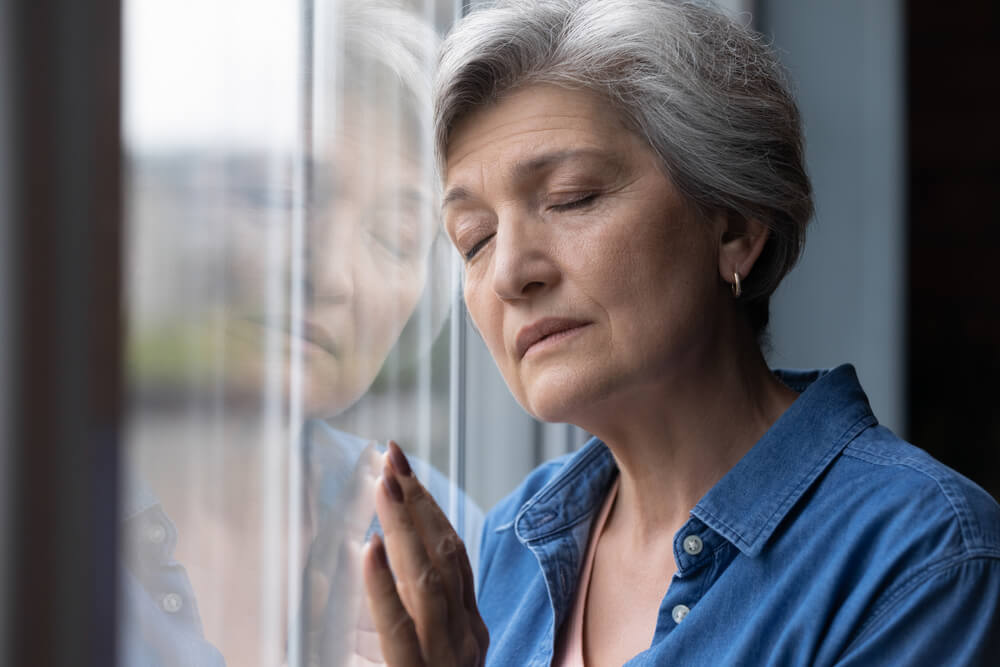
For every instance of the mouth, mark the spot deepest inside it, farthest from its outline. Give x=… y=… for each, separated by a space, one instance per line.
x=315 y=334
x=543 y=330
x=309 y=332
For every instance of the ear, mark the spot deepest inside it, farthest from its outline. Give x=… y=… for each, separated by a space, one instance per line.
x=740 y=244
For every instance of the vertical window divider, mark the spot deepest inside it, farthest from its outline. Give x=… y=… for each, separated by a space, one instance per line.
x=301 y=190
x=457 y=396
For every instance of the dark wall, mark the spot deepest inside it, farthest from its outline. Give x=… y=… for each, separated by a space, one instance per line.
x=63 y=283
x=954 y=235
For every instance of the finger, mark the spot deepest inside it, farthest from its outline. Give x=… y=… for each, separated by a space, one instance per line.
x=397 y=631
x=441 y=541
x=331 y=637
x=332 y=579
x=366 y=645
x=359 y=509
x=439 y=536
x=366 y=640
x=418 y=581
x=476 y=623
x=351 y=514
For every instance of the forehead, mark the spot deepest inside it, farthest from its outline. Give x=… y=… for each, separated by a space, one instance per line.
x=532 y=120
x=360 y=148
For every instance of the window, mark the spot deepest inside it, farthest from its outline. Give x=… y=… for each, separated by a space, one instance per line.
x=288 y=299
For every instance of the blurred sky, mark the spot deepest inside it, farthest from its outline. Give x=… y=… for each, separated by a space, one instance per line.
x=189 y=84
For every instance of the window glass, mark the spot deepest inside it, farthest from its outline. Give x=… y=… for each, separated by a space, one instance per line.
x=288 y=291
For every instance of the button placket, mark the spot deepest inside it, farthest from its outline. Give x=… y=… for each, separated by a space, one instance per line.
x=681 y=597
x=693 y=554
x=693 y=546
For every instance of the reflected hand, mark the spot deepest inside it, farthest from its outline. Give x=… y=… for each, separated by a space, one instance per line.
x=427 y=616
x=337 y=627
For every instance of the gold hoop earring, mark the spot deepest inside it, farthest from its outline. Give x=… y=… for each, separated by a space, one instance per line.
x=737 y=288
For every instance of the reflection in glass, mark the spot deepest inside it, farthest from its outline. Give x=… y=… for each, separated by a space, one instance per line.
x=287 y=288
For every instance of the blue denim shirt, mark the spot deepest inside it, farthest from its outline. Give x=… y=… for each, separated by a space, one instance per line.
x=832 y=542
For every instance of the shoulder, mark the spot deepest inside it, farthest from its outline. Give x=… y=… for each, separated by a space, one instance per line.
x=910 y=485
x=864 y=479
x=911 y=533
x=924 y=554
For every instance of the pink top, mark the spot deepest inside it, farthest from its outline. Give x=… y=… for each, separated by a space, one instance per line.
x=569 y=647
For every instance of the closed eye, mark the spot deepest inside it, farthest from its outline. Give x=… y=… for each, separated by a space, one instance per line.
x=474 y=250
x=582 y=202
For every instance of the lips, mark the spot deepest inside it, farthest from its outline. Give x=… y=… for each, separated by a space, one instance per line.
x=316 y=335
x=541 y=329
x=306 y=330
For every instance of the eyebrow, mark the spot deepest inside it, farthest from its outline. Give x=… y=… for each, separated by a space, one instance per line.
x=524 y=168
x=407 y=194
x=457 y=193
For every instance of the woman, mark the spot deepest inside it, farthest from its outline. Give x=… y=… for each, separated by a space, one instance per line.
x=625 y=183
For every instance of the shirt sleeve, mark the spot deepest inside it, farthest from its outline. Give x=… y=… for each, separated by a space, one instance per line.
x=948 y=615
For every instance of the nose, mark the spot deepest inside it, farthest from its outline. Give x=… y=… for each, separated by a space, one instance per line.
x=523 y=261
x=330 y=258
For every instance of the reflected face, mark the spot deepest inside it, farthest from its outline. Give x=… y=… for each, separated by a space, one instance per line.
x=588 y=275
x=359 y=273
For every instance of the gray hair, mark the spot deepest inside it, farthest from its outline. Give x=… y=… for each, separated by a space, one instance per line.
x=384 y=53
x=707 y=94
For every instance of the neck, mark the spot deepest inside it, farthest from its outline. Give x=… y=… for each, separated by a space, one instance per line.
x=676 y=436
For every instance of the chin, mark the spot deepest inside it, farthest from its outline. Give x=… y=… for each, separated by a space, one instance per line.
x=565 y=398
x=326 y=396
x=323 y=405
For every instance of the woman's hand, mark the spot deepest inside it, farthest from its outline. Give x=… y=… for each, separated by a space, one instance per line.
x=337 y=630
x=427 y=616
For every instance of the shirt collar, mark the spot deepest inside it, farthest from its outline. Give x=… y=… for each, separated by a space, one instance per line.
x=137 y=497
x=749 y=502
x=572 y=495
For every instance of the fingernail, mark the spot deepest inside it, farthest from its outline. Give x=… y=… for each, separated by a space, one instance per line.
x=398 y=459
x=392 y=485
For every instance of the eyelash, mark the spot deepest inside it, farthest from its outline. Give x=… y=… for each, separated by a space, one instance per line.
x=576 y=203
x=474 y=250
x=568 y=206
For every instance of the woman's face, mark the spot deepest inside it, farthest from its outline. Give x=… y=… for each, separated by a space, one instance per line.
x=363 y=265
x=588 y=275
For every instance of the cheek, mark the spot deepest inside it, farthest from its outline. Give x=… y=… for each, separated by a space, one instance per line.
x=407 y=287
x=610 y=271
x=384 y=299
x=477 y=302
x=244 y=262
x=486 y=313
x=670 y=295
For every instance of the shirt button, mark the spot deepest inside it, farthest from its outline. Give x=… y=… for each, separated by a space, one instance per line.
x=156 y=533
x=172 y=603
x=679 y=612
x=693 y=545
